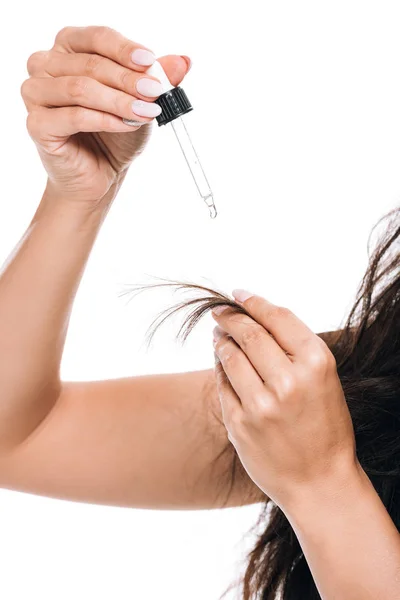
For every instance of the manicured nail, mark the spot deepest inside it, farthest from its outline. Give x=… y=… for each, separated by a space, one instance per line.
x=219 y=309
x=189 y=62
x=242 y=295
x=218 y=333
x=132 y=123
x=143 y=57
x=146 y=109
x=149 y=87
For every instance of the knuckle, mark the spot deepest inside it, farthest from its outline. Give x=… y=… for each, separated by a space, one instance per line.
x=273 y=311
x=252 y=335
x=105 y=121
x=74 y=115
x=99 y=32
x=36 y=61
x=320 y=360
x=266 y=410
x=26 y=87
x=93 y=62
x=315 y=361
x=228 y=356
x=280 y=312
x=123 y=49
x=286 y=386
x=261 y=400
x=220 y=345
x=33 y=122
x=121 y=106
x=63 y=33
x=126 y=79
x=78 y=115
x=76 y=87
x=229 y=359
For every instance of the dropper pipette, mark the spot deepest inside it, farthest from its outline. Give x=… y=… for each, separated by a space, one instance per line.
x=174 y=104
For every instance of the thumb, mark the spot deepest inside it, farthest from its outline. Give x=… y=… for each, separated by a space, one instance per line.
x=175 y=67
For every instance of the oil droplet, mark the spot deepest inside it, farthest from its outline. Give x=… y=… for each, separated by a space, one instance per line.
x=213 y=211
x=209 y=200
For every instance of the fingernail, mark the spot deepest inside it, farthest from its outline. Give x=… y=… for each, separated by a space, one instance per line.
x=242 y=295
x=219 y=309
x=146 y=109
x=188 y=60
x=149 y=87
x=218 y=333
x=143 y=57
x=132 y=123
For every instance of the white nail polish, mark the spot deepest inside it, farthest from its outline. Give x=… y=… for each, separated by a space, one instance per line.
x=143 y=57
x=146 y=109
x=149 y=87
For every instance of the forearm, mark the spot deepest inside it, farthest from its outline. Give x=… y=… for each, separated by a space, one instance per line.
x=349 y=541
x=38 y=284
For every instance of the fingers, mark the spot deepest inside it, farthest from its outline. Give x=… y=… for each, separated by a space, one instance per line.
x=55 y=123
x=292 y=335
x=244 y=379
x=230 y=402
x=266 y=356
x=105 y=42
x=86 y=92
x=104 y=70
x=95 y=76
x=175 y=67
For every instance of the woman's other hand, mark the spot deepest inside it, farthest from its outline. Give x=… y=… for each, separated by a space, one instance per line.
x=282 y=402
x=77 y=95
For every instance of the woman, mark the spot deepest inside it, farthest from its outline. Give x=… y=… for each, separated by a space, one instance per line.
x=306 y=424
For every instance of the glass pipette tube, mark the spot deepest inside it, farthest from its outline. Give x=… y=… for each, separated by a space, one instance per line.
x=175 y=104
x=200 y=179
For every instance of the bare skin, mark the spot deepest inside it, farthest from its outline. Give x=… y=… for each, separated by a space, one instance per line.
x=152 y=441
x=158 y=441
x=286 y=413
x=149 y=441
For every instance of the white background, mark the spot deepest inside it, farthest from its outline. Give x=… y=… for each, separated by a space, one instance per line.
x=297 y=124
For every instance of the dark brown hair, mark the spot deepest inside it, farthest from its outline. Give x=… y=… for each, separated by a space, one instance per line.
x=367 y=353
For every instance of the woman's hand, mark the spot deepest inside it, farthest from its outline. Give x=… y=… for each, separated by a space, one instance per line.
x=77 y=95
x=282 y=401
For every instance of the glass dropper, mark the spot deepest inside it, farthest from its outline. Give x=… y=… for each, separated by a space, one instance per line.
x=174 y=104
x=194 y=164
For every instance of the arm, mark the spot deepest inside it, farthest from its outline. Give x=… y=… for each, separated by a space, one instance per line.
x=155 y=441
x=150 y=441
x=294 y=434
x=145 y=442
x=349 y=540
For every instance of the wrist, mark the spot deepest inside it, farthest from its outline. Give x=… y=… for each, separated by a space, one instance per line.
x=336 y=491
x=56 y=199
x=56 y=204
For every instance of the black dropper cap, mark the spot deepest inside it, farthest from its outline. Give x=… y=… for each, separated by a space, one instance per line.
x=174 y=103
